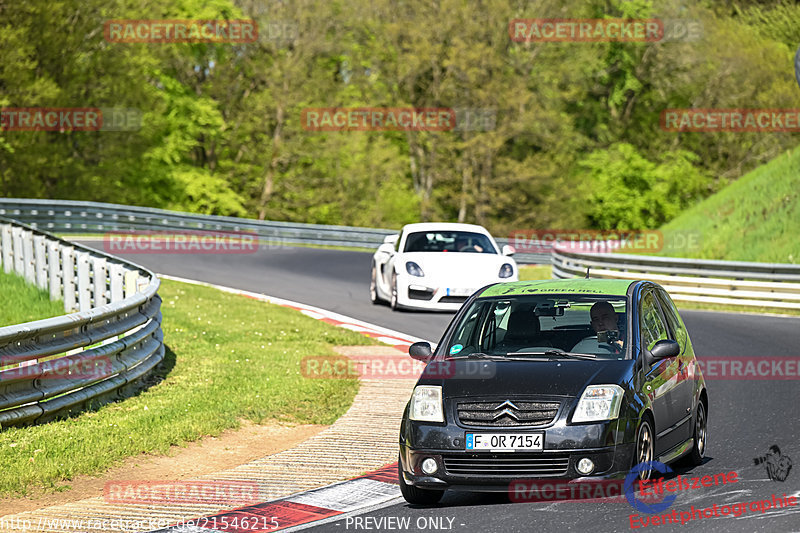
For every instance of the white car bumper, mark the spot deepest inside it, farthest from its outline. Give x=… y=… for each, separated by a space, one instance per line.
x=414 y=293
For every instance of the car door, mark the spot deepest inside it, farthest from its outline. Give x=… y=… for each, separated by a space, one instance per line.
x=683 y=392
x=662 y=376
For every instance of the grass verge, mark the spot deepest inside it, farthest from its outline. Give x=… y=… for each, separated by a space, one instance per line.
x=756 y=218
x=533 y=272
x=229 y=358
x=29 y=302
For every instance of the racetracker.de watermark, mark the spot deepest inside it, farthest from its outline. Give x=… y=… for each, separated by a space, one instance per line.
x=541 y=241
x=182 y=242
x=605 y=490
x=63 y=119
x=534 y=241
x=730 y=120
x=746 y=368
x=230 y=493
x=613 y=490
x=73 y=367
x=180 y=31
x=378 y=119
x=548 y=30
x=398 y=366
x=398 y=119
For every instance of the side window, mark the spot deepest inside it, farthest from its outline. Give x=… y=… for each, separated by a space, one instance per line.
x=673 y=319
x=651 y=324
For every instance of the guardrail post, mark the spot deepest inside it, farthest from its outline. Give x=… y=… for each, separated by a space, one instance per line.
x=68 y=278
x=40 y=261
x=84 y=288
x=131 y=277
x=100 y=280
x=19 y=262
x=7 y=245
x=27 y=256
x=117 y=274
x=53 y=270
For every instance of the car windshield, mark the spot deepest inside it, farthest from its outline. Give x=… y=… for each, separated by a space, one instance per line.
x=551 y=326
x=449 y=241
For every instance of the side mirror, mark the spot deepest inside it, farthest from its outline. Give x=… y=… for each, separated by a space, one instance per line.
x=386 y=248
x=665 y=348
x=391 y=239
x=509 y=250
x=421 y=351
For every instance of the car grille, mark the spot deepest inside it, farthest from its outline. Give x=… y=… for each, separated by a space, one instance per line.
x=453 y=299
x=507 y=414
x=519 y=465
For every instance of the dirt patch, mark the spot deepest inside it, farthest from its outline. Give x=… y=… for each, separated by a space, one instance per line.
x=205 y=456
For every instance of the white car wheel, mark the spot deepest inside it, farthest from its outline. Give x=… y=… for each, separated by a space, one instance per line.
x=373 y=286
x=393 y=302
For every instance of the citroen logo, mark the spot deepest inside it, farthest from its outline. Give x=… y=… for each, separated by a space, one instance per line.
x=506 y=412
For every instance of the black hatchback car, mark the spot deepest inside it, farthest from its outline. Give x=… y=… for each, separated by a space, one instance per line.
x=558 y=379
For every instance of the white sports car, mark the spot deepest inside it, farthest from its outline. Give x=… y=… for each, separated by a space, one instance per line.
x=437 y=266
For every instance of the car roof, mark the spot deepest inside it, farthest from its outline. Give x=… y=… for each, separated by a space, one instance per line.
x=444 y=226
x=617 y=287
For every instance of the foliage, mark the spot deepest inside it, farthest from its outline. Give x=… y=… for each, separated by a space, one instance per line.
x=574 y=121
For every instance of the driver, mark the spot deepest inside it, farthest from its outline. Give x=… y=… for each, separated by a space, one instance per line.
x=604 y=322
x=462 y=245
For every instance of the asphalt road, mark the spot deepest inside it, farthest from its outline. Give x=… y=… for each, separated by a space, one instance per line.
x=745 y=417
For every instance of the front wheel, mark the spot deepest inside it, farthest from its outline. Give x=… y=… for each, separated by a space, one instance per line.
x=700 y=432
x=373 y=286
x=414 y=495
x=644 y=448
x=393 y=302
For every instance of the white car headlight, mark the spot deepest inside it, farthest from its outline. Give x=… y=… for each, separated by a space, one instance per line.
x=414 y=269
x=599 y=402
x=426 y=404
x=506 y=271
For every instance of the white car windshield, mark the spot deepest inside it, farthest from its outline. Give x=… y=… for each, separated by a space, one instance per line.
x=449 y=241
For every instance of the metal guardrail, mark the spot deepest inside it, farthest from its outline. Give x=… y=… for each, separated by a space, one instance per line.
x=65 y=216
x=101 y=352
x=721 y=282
x=774 y=285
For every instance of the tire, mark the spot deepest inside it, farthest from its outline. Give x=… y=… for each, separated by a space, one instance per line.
x=414 y=495
x=645 y=447
x=373 y=286
x=700 y=436
x=393 y=302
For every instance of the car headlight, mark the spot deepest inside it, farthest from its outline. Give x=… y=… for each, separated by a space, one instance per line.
x=599 y=402
x=414 y=269
x=506 y=271
x=426 y=404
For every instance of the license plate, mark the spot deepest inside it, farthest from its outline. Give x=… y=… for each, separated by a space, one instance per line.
x=504 y=442
x=459 y=292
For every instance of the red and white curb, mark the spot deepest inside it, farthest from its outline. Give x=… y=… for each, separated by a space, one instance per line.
x=379 y=333
x=361 y=493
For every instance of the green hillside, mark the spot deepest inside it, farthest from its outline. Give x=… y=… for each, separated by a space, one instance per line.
x=756 y=218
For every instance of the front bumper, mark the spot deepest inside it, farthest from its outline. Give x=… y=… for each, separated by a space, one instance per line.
x=423 y=293
x=603 y=443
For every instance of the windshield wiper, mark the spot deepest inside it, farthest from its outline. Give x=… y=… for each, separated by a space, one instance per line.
x=556 y=351
x=481 y=355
